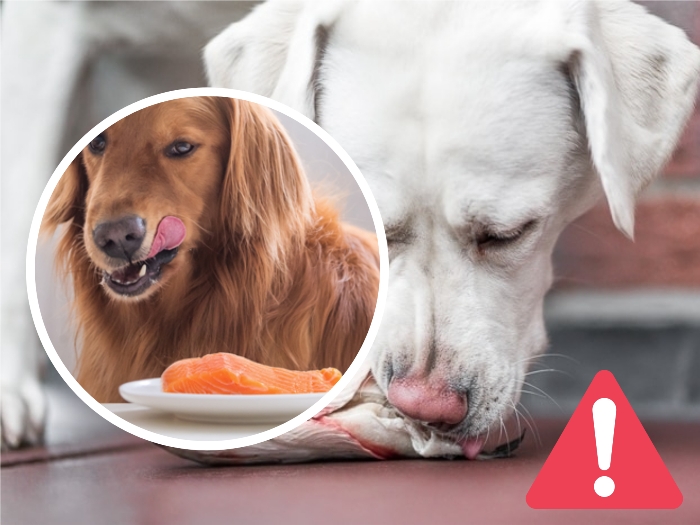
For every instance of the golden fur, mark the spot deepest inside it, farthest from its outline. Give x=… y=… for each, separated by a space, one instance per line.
x=266 y=270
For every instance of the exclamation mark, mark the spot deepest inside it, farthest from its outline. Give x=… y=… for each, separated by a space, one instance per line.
x=604 y=411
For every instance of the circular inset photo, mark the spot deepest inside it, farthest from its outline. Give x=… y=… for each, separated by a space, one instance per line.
x=204 y=269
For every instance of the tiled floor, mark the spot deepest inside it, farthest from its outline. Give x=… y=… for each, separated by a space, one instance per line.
x=93 y=473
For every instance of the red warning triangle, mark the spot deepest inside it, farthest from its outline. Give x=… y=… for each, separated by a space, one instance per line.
x=641 y=479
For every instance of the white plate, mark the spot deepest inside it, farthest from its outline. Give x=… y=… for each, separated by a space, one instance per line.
x=219 y=408
x=169 y=425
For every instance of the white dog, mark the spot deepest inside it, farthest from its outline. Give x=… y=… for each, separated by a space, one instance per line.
x=483 y=129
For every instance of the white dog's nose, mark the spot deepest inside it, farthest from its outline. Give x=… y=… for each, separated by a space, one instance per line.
x=427 y=400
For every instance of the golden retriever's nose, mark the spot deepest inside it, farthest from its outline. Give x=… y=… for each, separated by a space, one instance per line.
x=428 y=401
x=121 y=238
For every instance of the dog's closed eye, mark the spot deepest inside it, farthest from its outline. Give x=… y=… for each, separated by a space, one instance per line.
x=397 y=236
x=492 y=239
x=398 y=233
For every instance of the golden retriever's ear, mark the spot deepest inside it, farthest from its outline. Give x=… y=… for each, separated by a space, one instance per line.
x=67 y=202
x=265 y=196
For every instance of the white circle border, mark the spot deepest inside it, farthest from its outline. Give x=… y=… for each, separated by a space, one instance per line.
x=187 y=443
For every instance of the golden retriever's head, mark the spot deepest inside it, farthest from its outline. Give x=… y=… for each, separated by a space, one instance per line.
x=177 y=181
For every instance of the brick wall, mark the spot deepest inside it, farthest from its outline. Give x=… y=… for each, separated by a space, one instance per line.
x=666 y=251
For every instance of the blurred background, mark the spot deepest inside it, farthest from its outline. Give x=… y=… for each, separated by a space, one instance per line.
x=630 y=307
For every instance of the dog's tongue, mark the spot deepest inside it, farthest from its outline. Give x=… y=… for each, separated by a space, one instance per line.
x=169 y=235
x=472 y=446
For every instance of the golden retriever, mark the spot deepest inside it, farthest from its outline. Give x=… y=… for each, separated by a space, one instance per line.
x=192 y=229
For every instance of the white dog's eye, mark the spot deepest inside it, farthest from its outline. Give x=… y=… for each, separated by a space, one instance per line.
x=397 y=237
x=397 y=234
x=494 y=239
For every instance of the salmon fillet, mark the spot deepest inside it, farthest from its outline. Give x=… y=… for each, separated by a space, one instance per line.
x=224 y=373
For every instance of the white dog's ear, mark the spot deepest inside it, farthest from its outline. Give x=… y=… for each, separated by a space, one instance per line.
x=275 y=52
x=637 y=79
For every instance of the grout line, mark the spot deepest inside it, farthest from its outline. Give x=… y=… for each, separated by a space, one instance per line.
x=640 y=307
x=681 y=394
x=681 y=187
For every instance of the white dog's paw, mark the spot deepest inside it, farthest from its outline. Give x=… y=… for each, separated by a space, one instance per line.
x=22 y=413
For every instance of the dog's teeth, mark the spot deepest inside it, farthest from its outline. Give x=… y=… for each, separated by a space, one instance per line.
x=142 y=271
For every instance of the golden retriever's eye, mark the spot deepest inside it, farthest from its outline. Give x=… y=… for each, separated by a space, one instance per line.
x=98 y=144
x=179 y=149
x=491 y=239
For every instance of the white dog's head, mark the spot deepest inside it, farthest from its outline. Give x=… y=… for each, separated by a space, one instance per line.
x=483 y=129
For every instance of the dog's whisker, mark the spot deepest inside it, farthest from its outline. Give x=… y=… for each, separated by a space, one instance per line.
x=529 y=422
x=547 y=356
x=588 y=231
x=200 y=227
x=536 y=394
x=563 y=356
x=504 y=429
x=365 y=381
x=548 y=370
x=529 y=359
x=545 y=394
x=517 y=417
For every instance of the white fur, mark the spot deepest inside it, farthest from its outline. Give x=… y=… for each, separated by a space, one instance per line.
x=465 y=116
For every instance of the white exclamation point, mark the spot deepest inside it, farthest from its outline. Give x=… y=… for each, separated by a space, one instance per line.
x=604 y=411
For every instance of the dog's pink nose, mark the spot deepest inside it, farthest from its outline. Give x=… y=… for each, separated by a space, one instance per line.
x=426 y=401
